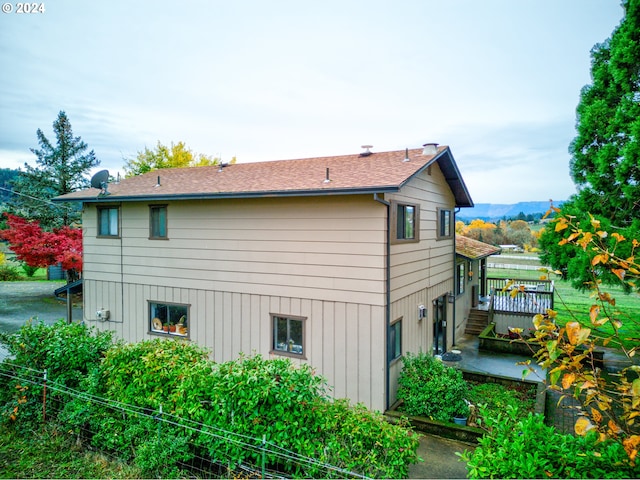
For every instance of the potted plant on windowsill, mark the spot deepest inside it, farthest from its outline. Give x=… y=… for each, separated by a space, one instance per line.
x=165 y=328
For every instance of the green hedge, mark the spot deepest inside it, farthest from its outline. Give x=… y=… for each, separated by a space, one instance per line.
x=279 y=404
x=428 y=388
x=516 y=447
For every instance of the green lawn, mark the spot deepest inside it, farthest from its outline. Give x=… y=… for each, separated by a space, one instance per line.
x=572 y=304
x=53 y=454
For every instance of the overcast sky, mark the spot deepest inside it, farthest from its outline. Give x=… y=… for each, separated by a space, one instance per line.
x=496 y=80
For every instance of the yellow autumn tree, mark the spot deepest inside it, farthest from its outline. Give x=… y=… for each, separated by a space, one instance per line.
x=176 y=155
x=609 y=404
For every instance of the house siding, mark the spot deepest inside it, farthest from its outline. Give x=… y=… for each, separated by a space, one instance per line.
x=328 y=248
x=342 y=340
x=464 y=302
x=421 y=271
x=236 y=262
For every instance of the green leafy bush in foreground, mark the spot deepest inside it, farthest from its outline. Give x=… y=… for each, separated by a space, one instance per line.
x=275 y=402
x=428 y=388
x=68 y=353
x=516 y=447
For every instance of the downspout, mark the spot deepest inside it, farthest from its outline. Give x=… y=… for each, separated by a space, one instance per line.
x=453 y=333
x=387 y=312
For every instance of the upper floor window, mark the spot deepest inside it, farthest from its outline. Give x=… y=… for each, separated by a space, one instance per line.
x=405 y=223
x=158 y=221
x=108 y=222
x=288 y=335
x=445 y=223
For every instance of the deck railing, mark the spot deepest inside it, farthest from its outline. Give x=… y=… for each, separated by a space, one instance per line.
x=533 y=296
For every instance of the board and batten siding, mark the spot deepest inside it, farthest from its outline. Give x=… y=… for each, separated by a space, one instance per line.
x=236 y=262
x=421 y=271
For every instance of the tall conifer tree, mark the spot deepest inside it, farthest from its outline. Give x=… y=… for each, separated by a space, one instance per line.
x=605 y=154
x=60 y=169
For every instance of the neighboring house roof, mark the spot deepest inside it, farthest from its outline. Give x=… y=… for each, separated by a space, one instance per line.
x=348 y=174
x=474 y=249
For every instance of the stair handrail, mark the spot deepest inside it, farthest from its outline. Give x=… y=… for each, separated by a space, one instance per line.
x=490 y=309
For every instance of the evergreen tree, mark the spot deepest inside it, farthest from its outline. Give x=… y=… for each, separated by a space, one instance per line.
x=605 y=163
x=61 y=169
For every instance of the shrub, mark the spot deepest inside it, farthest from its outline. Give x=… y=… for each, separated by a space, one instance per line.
x=249 y=398
x=172 y=374
x=497 y=397
x=68 y=352
x=515 y=447
x=29 y=270
x=9 y=273
x=431 y=389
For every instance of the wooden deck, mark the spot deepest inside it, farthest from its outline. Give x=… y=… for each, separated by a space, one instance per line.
x=533 y=297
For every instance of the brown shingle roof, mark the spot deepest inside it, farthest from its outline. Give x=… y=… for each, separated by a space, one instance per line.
x=383 y=171
x=474 y=249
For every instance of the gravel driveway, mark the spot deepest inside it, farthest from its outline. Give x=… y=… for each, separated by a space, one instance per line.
x=20 y=301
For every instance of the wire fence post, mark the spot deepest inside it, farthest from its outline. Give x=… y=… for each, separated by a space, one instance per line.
x=44 y=397
x=159 y=417
x=264 y=454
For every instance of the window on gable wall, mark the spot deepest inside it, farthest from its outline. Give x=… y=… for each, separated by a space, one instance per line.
x=108 y=221
x=157 y=221
x=288 y=335
x=445 y=224
x=405 y=223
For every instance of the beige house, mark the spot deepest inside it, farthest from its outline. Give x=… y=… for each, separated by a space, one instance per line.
x=471 y=283
x=342 y=262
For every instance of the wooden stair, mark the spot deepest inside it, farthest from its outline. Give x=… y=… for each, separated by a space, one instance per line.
x=477 y=321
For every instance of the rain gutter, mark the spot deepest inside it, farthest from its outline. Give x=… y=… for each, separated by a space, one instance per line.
x=387 y=307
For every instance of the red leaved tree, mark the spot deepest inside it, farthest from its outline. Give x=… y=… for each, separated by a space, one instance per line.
x=38 y=248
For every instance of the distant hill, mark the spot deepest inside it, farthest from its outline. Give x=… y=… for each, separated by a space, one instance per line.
x=496 y=211
x=6 y=175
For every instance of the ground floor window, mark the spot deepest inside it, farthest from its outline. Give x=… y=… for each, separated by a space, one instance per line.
x=460 y=279
x=288 y=335
x=395 y=339
x=169 y=318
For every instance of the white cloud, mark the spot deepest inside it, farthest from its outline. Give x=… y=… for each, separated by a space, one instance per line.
x=496 y=80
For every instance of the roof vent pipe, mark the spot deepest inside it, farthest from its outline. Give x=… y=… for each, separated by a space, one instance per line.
x=327 y=179
x=366 y=152
x=430 y=149
x=406 y=155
